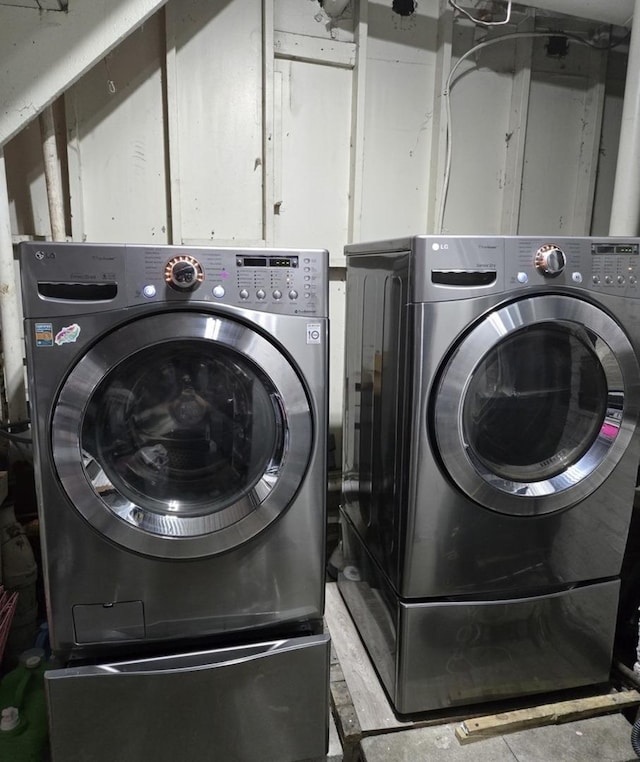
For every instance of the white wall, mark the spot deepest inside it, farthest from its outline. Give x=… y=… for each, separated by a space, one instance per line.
x=116 y=144
x=265 y=122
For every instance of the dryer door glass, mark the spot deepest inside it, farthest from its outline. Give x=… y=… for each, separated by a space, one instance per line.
x=533 y=410
x=535 y=403
x=195 y=434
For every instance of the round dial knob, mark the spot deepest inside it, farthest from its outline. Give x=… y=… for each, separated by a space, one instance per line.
x=183 y=273
x=550 y=260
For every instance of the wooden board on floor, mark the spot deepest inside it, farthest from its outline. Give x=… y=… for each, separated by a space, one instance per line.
x=546 y=714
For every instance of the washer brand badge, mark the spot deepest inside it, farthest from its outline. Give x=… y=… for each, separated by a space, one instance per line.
x=314 y=335
x=44 y=334
x=68 y=335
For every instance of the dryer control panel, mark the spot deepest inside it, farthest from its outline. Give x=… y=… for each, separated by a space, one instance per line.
x=605 y=265
x=446 y=268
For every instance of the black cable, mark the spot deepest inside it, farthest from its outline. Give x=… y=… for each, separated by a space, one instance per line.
x=23 y=425
x=621 y=41
x=15 y=438
x=585 y=41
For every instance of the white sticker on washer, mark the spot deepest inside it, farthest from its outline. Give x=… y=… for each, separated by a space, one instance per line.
x=68 y=335
x=314 y=335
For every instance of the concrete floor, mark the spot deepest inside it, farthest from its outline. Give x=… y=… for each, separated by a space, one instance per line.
x=598 y=739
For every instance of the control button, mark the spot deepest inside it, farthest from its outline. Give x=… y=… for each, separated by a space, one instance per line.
x=621 y=279
x=218 y=291
x=608 y=280
x=277 y=294
x=576 y=277
x=633 y=280
x=293 y=294
x=596 y=280
x=260 y=293
x=550 y=260
x=184 y=273
x=149 y=291
x=244 y=294
x=522 y=277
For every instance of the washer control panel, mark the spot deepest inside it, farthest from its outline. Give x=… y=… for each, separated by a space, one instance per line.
x=274 y=280
x=78 y=278
x=615 y=265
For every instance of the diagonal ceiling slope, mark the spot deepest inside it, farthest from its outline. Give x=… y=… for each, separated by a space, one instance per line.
x=42 y=53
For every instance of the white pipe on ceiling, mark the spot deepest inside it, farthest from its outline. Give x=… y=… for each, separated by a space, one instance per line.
x=625 y=206
x=618 y=12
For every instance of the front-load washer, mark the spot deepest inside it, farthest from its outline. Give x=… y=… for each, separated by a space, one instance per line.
x=178 y=400
x=490 y=456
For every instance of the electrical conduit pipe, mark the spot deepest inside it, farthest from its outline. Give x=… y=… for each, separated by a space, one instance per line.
x=10 y=314
x=625 y=208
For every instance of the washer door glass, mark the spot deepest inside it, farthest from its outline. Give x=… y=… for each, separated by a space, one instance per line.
x=533 y=410
x=195 y=434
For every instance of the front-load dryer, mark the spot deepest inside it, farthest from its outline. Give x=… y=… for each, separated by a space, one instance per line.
x=179 y=412
x=490 y=458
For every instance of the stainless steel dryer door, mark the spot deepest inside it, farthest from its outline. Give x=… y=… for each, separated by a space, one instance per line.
x=181 y=435
x=536 y=405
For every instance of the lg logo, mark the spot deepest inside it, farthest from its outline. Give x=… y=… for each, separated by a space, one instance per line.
x=45 y=254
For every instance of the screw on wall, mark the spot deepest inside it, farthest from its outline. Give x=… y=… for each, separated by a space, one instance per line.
x=404 y=7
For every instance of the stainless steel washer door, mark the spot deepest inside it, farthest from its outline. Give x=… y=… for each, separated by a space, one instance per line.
x=181 y=435
x=536 y=405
